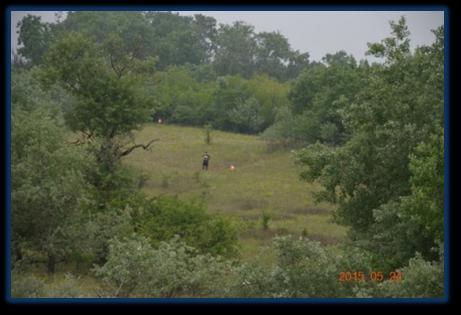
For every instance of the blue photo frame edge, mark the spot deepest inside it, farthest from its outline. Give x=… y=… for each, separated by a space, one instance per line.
x=7 y=124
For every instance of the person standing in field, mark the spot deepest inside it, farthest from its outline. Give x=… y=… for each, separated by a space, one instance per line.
x=205 y=161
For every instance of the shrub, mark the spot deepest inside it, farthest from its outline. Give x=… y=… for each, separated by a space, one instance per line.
x=173 y=269
x=252 y=280
x=303 y=268
x=126 y=266
x=265 y=220
x=159 y=219
x=421 y=279
x=103 y=226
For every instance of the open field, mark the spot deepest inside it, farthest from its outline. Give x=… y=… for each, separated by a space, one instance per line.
x=262 y=182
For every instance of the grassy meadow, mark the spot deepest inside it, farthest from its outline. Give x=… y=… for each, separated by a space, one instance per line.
x=262 y=182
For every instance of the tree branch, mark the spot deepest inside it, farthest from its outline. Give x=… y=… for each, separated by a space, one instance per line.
x=112 y=63
x=112 y=132
x=145 y=147
x=87 y=137
x=77 y=141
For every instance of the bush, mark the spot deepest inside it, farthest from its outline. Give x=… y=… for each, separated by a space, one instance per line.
x=252 y=280
x=159 y=219
x=303 y=268
x=306 y=269
x=134 y=267
x=266 y=216
x=246 y=116
x=103 y=226
x=421 y=279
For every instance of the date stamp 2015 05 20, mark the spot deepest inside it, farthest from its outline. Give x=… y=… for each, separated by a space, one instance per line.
x=378 y=276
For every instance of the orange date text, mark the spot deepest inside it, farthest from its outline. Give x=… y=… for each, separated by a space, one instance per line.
x=378 y=276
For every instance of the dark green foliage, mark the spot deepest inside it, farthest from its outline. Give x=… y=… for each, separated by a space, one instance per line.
x=109 y=100
x=387 y=179
x=236 y=46
x=272 y=54
x=320 y=93
x=230 y=92
x=178 y=40
x=27 y=95
x=297 y=63
x=174 y=40
x=77 y=64
x=318 y=96
x=231 y=103
x=131 y=27
x=179 y=97
x=48 y=185
x=159 y=219
x=415 y=222
x=246 y=117
x=34 y=37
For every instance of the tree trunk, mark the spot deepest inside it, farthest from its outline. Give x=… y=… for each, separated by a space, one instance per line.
x=51 y=265
x=18 y=252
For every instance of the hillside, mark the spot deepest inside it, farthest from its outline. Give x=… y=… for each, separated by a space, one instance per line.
x=262 y=182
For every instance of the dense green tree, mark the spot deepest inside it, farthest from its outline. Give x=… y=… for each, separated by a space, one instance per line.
x=297 y=63
x=205 y=27
x=281 y=133
x=131 y=27
x=48 y=186
x=317 y=98
x=401 y=108
x=414 y=223
x=203 y=73
x=272 y=54
x=230 y=92
x=236 y=47
x=179 y=97
x=109 y=97
x=245 y=116
x=26 y=92
x=271 y=96
x=34 y=38
x=178 y=40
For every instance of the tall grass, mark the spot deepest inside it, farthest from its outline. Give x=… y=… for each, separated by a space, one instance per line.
x=260 y=180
